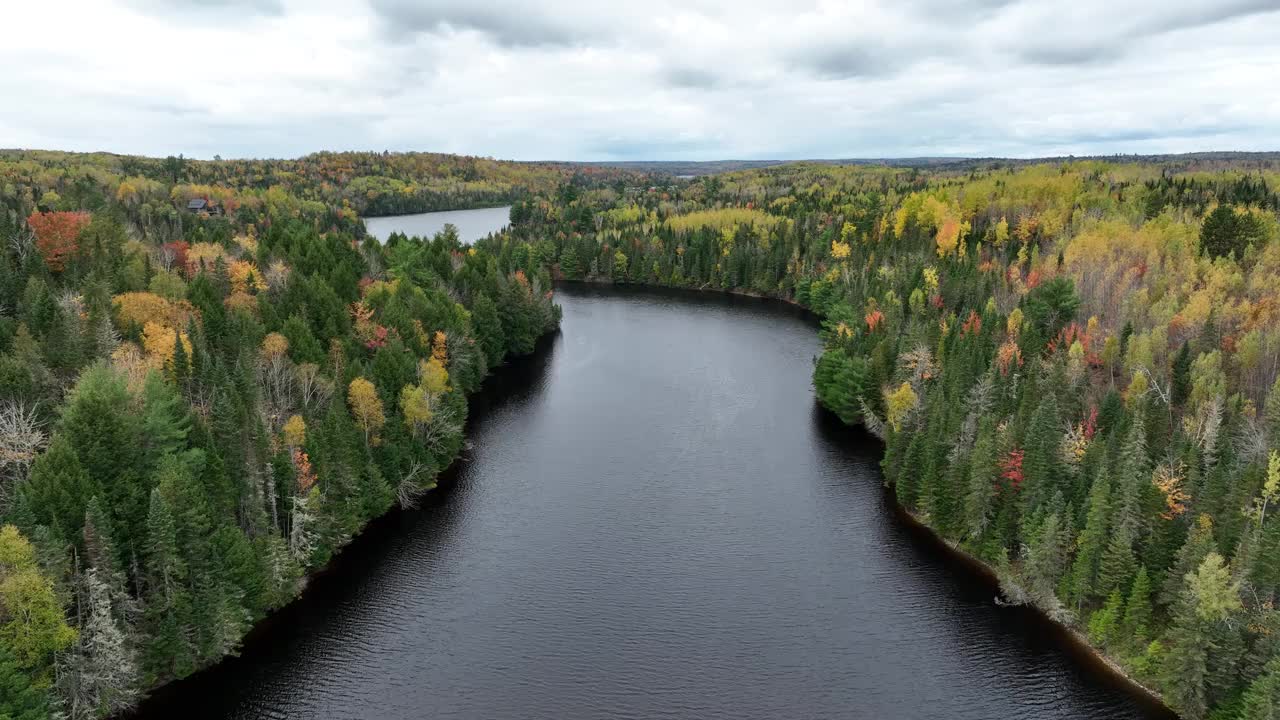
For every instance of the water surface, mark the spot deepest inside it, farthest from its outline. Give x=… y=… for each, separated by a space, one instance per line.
x=656 y=521
x=472 y=224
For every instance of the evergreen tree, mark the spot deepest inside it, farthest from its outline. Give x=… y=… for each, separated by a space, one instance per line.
x=1208 y=599
x=58 y=490
x=1180 y=382
x=168 y=651
x=1137 y=613
x=1042 y=451
x=107 y=666
x=1104 y=624
x=1119 y=562
x=981 y=492
x=106 y=439
x=1200 y=542
x=1262 y=700
x=20 y=698
x=1047 y=559
x=1093 y=540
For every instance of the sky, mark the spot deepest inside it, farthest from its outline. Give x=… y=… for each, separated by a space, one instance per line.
x=657 y=80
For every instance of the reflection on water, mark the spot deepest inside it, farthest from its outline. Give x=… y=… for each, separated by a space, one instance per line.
x=472 y=224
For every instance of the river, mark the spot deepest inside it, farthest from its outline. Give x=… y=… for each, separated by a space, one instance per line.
x=472 y=224
x=656 y=521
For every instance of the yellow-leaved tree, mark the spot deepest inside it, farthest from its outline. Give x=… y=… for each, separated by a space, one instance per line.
x=295 y=431
x=366 y=407
x=900 y=404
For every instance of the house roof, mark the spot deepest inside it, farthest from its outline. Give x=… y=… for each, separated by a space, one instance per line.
x=197 y=204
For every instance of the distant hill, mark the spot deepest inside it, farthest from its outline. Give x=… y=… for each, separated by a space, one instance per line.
x=695 y=168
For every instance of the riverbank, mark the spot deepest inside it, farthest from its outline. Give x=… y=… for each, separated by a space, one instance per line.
x=320 y=583
x=1069 y=637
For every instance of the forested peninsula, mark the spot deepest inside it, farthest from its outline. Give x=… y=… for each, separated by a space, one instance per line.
x=210 y=378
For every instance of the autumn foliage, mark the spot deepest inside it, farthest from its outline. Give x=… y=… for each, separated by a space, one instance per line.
x=57 y=234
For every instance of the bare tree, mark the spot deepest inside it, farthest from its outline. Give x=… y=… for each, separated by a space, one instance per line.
x=22 y=243
x=314 y=389
x=411 y=488
x=21 y=438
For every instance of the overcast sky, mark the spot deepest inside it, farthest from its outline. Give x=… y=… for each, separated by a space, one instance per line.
x=659 y=79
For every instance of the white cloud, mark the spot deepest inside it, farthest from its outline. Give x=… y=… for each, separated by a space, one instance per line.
x=537 y=79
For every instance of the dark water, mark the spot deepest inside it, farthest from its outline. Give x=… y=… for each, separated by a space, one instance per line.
x=656 y=521
x=472 y=224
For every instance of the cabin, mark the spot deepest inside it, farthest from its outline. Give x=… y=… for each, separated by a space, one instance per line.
x=203 y=205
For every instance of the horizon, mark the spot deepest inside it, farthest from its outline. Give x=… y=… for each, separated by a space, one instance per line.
x=217 y=157
x=536 y=79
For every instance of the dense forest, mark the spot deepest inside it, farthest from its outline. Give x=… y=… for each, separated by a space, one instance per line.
x=199 y=405
x=355 y=183
x=1074 y=366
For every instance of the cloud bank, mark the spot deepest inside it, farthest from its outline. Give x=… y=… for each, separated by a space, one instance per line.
x=666 y=79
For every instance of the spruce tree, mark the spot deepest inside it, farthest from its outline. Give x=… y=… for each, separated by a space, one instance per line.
x=1137 y=612
x=980 y=493
x=58 y=490
x=1093 y=541
x=1042 y=446
x=168 y=652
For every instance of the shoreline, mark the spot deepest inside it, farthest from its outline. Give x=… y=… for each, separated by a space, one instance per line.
x=477 y=403
x=1069 y=637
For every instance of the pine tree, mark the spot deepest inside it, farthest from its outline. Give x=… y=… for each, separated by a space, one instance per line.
x=1180 y=382
x=166 y=421
x=106 y=439
x=1104 y=624
x=180 y=369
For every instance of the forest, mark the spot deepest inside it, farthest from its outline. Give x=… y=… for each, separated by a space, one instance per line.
x=1074 y=367
x=199 y=406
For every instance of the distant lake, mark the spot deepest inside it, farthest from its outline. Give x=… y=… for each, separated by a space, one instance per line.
x=472 y=224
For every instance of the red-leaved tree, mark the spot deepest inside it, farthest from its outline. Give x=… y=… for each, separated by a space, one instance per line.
x=56 y=235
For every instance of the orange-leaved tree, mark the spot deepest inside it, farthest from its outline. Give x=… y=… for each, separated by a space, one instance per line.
x=56 y=235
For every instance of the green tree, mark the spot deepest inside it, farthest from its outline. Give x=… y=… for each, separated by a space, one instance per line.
x=20 y=698
x=1137 y=612
x=1209 y=598
x=1226 y=231
x=33 y=628
x=1093 y=541
x=168 y=651
x=106 y=437
x=59 y=490
x=1052 y=305
x=1262 y=700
